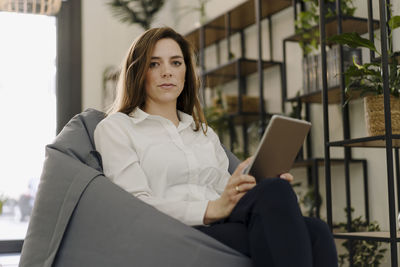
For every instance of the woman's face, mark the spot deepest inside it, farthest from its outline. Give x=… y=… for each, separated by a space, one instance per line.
x=165 y=77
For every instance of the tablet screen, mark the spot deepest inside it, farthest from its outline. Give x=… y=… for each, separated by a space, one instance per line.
x=278 y=147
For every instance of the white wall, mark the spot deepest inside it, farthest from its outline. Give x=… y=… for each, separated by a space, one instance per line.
x=106 y=40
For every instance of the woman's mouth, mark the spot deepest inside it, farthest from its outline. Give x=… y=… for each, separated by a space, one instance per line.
x=167 y=85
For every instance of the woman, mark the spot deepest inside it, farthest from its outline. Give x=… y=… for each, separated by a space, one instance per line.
x=155 y=144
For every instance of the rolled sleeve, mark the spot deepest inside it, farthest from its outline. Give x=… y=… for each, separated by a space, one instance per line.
x=195 y=212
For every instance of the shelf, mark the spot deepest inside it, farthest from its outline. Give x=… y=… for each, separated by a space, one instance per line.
x=396 y=56
x=321 y=162
x=375 y=141
x=373 y=236
x=349 y=24
x=241 y=17
x=228 y=71
x=334 y=96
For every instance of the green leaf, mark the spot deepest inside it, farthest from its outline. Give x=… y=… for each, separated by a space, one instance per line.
x=394 y=22
x=353 y=40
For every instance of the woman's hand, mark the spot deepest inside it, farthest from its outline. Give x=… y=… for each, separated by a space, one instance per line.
x=287 y=176
x=237 y=186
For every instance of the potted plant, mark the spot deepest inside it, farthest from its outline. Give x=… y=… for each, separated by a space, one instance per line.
x=364 y=252
x=136 y=11
x=366 y=80
x=309 y=18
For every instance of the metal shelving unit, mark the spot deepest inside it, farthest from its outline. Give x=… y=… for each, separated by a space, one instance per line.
x=388 y=141
x=315 y=163
x=334 y=25
x=235 y=21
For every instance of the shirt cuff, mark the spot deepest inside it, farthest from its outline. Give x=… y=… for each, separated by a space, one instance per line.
x=195 y=212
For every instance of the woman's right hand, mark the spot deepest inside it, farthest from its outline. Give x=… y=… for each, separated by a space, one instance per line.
x=236 y=188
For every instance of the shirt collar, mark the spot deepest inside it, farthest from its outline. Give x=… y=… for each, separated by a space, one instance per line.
x=139 y=115
x=185 y=120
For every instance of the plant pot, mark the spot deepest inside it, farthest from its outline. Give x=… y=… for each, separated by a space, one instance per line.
x=375 y=115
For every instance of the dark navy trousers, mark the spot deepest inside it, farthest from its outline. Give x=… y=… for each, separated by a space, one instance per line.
x=267 y=225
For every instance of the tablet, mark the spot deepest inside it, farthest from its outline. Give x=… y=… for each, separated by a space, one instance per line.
x=278 y=147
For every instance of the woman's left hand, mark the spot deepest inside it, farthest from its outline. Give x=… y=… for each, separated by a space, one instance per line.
x=287 y=176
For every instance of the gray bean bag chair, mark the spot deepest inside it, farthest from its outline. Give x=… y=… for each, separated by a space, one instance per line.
x=80 y=218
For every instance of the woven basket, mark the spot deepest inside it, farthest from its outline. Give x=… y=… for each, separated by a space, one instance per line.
x=374 y=114
x=249 y=103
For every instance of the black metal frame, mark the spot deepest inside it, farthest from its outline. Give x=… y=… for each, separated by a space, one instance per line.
x=10 y=246
x=69 y=62
x=388 y=137
x=312 y=169
x=68 y=87
x=239 y=76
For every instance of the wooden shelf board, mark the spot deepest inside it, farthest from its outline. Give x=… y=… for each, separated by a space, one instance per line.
x=334 y=96
x=378 y=236
x=390 y=59
x=350 y=24
x=227 y=72
x=241 y=17
x=375 y=142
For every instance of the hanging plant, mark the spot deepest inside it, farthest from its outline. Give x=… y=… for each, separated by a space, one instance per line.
x=200 y=8
x=308 y=19
x=136 y=11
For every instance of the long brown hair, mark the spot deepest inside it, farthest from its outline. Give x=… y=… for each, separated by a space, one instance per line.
x=131 y=91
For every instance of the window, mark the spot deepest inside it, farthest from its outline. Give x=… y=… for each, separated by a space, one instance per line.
x=27 y=113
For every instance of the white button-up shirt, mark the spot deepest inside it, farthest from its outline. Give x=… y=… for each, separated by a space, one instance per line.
x=174 y=169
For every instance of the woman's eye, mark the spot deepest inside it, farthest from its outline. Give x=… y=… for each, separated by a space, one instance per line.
x=153 y=64
x=177 y=63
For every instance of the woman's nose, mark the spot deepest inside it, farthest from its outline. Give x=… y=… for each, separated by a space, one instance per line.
x=166 y=71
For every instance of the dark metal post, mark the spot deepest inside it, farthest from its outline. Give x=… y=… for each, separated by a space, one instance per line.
x=388 y=131
x=396 y=156
x=346 y=124
x=309 y=139
x=228 y=33
x=366 y=194
x=69 y=62
x=325 y=113
x=312 y=172
x=271 y=46
x=242 y=44
x=11 y=246
x=302 y=5
x=245 y=140
x=283 y=92
x=371 y=28
x=283 y=75
x=316 y=187
x=388 y=16
x=260 y=66
x=294 y=4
